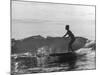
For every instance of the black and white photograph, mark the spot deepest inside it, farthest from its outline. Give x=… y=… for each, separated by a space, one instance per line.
x=52 y=37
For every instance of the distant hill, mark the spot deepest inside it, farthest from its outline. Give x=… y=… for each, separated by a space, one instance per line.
x=57 y=44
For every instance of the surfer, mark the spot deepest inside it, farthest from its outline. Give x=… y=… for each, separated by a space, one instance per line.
x=71 y=36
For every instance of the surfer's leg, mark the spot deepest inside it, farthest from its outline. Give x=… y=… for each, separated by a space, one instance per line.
x=70 y=45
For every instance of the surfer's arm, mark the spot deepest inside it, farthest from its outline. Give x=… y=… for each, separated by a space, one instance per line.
x=65 y=35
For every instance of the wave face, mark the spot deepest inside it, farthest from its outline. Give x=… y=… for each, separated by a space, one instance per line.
x=58 y=44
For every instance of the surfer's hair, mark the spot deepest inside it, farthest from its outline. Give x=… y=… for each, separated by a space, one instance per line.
x=67 y=27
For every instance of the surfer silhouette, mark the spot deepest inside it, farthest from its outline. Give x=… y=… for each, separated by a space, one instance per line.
x=71 y=36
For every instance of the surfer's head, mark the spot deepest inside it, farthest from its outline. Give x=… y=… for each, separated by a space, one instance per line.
x=67 y=27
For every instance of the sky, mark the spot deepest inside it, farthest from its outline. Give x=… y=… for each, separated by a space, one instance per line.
x=50 y=19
